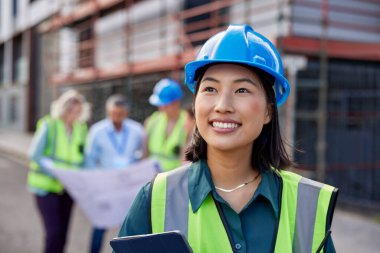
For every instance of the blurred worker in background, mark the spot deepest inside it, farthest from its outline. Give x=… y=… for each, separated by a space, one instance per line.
x=237 y=195
x=113 y=143
x=58 y=142
x=165 y=127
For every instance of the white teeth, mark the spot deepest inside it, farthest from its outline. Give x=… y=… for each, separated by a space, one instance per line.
x=224 y=125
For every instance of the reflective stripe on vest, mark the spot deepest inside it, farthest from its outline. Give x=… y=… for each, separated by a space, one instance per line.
x=171 y=210
x=63 y=151
x=304 y=212
x=302 y=224
x=166 y=149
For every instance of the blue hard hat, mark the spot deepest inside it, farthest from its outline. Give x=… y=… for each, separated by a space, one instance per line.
x=165 y=92
x=242 y=45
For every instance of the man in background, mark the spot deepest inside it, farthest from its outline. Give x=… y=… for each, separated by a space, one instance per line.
x=113 y=143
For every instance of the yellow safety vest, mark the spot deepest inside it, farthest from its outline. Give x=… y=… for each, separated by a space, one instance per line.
x=66 y=153
x=305 y=214
x=166 y=149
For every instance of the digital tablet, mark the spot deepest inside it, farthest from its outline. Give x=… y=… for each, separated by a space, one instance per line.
x=167 y=242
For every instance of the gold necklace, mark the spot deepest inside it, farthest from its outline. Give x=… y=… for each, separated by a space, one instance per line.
x=237 y=187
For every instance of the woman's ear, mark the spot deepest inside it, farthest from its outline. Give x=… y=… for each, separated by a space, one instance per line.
x=268 y=113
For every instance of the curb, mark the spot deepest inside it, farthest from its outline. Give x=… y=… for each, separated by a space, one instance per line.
x=14 y=146
x=15 y=156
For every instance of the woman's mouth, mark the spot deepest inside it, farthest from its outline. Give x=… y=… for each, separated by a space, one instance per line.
x=224 y=125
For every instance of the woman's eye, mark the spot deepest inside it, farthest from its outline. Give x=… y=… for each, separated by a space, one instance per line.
x=209 y=89
x=242 y=90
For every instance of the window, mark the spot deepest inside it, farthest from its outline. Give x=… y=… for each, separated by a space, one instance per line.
x=13 y=109
x=14 y=8
x=0 y=13
x=1 y=111
x=17 y=59
x=2 y=64
x=86 y=51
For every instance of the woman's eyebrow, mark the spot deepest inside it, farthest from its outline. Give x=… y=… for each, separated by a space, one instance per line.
x=245 y=79
x=209 y=78
x=239 y=80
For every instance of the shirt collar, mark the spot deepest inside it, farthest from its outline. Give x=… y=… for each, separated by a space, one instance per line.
x=200 y=185
x=111 y=127
x=268 y=188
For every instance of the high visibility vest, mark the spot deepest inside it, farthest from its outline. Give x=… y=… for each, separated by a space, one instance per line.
x=166 y=149
x=305 y=215
x=66 y=153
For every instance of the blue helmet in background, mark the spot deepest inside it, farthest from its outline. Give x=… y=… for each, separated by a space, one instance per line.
x=165 y=92
x=240 y=44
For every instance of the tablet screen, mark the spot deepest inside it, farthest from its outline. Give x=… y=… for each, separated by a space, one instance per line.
x=167 y=242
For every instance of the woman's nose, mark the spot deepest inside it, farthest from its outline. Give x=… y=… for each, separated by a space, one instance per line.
x=224 y=103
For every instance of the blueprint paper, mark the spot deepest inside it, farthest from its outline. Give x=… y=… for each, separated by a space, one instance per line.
x=105 y=195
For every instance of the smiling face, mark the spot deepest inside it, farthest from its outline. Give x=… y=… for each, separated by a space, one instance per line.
x=230 y=107
x=72 y=112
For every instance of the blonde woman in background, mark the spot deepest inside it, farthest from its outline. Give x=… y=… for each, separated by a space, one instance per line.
x=59 y=140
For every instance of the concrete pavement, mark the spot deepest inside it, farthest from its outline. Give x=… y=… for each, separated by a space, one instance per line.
x=353 y=232
x=15 y=144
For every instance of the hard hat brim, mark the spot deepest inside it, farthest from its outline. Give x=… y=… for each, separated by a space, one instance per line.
x=282 y=87
x=155 y=100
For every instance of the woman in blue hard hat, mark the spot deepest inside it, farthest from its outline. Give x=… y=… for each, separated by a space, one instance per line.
x=236 y=195
x=164 y=128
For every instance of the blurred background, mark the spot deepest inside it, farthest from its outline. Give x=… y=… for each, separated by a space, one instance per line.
x=331 y=55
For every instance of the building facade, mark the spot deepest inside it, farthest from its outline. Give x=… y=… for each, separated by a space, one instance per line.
x=19 y=60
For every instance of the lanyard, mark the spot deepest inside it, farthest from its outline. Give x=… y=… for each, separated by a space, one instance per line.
x=119 y=147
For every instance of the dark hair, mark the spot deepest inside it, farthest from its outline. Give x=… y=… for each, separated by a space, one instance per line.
x=268 y=148
x=190 y=111
x=117 y=100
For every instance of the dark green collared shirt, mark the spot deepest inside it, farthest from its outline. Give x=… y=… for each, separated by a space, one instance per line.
x=253 y=229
